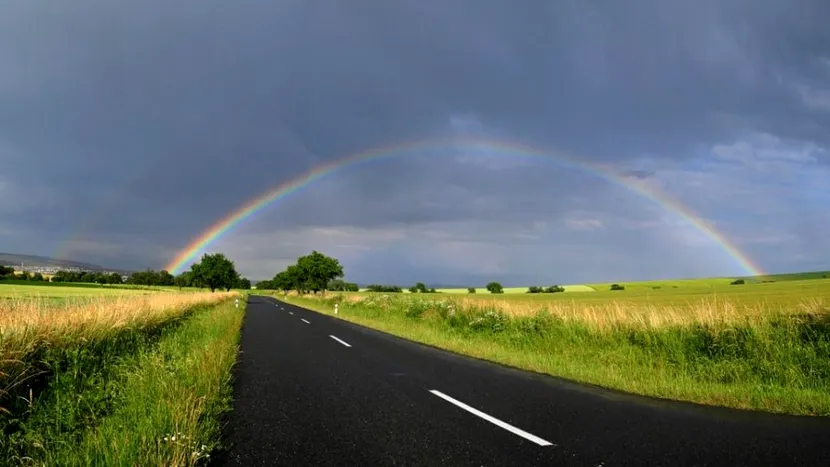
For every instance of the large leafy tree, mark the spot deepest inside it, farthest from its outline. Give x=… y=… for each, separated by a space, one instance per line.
x=495 y=287
x=317 y=270
x=215 y=271
x=313 y=272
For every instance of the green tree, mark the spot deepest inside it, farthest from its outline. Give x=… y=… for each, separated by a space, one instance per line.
x=343 y=286
x=38 y=277
x=285 y=280
x=495 y=287
x=195 y=277
x=471 y=290
x=182 y=280
x=114 y=278
x=316 y=270
x=165 y=278
x=215 y=271
x=243 y=283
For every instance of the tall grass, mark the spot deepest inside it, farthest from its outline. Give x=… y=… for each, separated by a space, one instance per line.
x=753 y=355
x=170 y=404
x=32 y=327
x=65 y=366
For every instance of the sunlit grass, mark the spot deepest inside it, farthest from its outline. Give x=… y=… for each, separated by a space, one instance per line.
x=762 y=346
x=172 y=399
x=33 y=325
x=101 y=380
x=16 y=291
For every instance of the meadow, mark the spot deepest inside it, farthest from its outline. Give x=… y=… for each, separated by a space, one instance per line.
x=114 y=376
x=14 y=291
x=758 y=346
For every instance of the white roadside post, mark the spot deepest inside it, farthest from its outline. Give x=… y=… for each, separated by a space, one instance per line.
x=335 y=308
x=236 y=302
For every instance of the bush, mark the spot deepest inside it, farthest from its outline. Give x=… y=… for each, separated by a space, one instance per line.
x=490 y=320
x=738 y=282
x=495 y=287
x=617 y=287
x=383 y=288
x=551 y=289
x=416 y=308
x=471 y=290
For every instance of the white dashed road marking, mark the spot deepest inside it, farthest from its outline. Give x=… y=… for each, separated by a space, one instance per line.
x=338 y=340
x=493 y=420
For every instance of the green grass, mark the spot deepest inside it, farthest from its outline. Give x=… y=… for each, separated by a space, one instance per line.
x=59 y=291
x=144 y=395
x=783 y=293
x=757 y=346
x=796 y=276
x=514 y=290
x=706 y=283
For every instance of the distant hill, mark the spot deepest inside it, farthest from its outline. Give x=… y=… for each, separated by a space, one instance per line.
x=790 y=276
x=12 y=259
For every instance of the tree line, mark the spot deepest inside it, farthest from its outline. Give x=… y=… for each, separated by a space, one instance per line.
x=214 y=271
x=314 y=272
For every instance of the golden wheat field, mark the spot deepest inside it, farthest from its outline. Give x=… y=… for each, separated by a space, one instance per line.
x=30 y=322
x=726 y=305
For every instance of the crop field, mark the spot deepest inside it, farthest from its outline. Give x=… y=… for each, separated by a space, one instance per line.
x=106 y=376
x=8 y=291
x=761 y=346
x=784 y=293
x=517 y=290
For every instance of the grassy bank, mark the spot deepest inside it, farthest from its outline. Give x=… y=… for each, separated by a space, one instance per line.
x=125 y=380
x=771 y=355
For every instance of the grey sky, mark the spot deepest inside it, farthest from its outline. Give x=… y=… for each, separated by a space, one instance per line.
x=130 y=127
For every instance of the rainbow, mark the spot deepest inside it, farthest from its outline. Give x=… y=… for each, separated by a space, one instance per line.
x=251 y=207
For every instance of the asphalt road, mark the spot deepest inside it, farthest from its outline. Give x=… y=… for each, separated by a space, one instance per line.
x=315 y=390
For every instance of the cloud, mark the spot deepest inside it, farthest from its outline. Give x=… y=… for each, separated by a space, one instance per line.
x=584 y=224
x=128 y=128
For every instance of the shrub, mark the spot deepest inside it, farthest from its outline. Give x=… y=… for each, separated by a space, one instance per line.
x=489 y=320
x=617 y=287
x=383 y=288
x=416 y=308
x=738 y=282
x=495 y=287
x=471 y=290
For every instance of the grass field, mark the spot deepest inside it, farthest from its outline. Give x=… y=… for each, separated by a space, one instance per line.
x=699 y=284
x=62 y=291
x=514 y=290
x=761 y=346
x=102 y=376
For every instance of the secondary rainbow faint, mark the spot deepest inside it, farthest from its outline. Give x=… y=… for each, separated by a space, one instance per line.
x=476 y=146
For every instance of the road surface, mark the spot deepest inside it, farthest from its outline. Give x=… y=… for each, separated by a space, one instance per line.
x=315 y=390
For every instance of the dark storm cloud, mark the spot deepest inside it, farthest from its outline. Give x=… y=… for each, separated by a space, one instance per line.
x=154 y=119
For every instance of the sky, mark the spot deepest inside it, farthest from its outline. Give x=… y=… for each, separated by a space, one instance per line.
x=128 y=128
